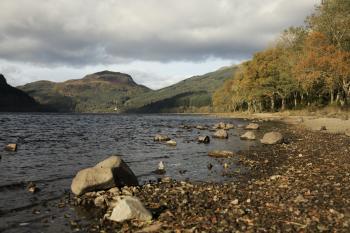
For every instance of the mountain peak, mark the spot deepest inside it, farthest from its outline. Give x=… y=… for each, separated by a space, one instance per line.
x=111 y=76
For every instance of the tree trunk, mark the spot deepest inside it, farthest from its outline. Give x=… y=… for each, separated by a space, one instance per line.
x=308 y=99
x=295 y=100
x=332 y=96
x=272 y=98
x=283 y=104
x=338 y=97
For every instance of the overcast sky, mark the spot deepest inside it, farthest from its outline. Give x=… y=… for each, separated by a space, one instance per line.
x=158 y=42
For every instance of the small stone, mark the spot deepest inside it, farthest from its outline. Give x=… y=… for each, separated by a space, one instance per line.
x=234 y=202
x=161 y=138
x=32 y=188
x=221 y=133
x=171 y=143
x=11 y=147
x=100 y=201
x=250 y=135
x=347 y=132
x=323 y=128
x=166 y=179
x=200 y=127
x=204 y=139
x=114 y=191
x=300 y=199
x=220 y=154
x=252 y=126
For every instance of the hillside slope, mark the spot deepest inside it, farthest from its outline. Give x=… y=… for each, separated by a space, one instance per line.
x=14 y=100
x=99 y=92
x=190 y=95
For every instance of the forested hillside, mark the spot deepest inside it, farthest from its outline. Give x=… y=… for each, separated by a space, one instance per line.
x=307 y=66
x=190 y=95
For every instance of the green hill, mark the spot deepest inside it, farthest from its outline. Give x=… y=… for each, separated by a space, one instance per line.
x=15 y=100
x=106 y=90
x=190 y=95
x=99 y=92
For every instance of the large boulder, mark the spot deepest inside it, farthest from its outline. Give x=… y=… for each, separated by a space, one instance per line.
x=272 y=138
x=221 y=133
x=107 y=174
x=128 y=207
x=252 y=126
x=250 y=135
x=221 y=154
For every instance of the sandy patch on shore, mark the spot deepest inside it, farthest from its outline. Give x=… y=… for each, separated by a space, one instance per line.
x=333 y=125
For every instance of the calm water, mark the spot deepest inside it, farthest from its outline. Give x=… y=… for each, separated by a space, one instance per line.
x=53 y=147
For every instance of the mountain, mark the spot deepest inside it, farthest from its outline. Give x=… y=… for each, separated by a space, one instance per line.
x=103 y=91
x=99 y=92
x=190 y=95
x=15 y=100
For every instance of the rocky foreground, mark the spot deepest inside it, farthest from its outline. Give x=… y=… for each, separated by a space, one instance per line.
x=302 y=185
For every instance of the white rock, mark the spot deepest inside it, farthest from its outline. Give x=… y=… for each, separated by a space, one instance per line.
x=272 y=138
x=161 y=165
x=129 y=208
x=250 y=135
x=100 y=201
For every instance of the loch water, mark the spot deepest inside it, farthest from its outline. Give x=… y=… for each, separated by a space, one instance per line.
x=52 y=148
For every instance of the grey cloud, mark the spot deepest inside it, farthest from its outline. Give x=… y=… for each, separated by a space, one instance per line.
x=85 y=32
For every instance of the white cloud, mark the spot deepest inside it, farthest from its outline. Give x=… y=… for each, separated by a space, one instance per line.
x=81 y=33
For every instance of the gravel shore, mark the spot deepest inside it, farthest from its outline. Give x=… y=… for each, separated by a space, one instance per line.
x=302 y=185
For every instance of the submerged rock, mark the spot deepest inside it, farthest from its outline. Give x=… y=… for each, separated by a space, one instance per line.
x=200 y=127
x=161 y=138
x=204 y=139
x=221 y=133
x=272 y=138
x=32 y=187
x=223 y=125
x=252 y=126
x=11 y=147
x=171 y=143
x=229 y=126
x=220 y=153
x=107 y=174
x=250 y=135
x=161 y=169
x=128 y=207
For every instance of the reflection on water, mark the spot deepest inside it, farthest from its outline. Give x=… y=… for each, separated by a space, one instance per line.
x=53 y=147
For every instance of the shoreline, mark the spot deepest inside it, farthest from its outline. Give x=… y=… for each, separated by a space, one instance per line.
x=301 y=185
